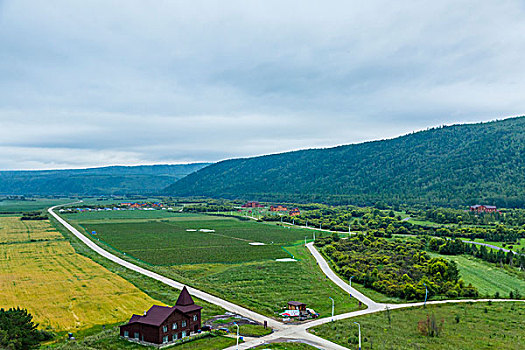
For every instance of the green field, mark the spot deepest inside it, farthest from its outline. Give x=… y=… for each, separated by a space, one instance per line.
x=167 y=242
x=486 y=277
x=498 y=325
x=32 y=204
x=227 y=265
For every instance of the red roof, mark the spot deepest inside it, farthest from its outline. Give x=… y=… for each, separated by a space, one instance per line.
x=157 y=314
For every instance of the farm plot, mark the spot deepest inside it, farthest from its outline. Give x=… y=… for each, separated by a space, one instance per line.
x=14 y=230
x=63 y=290
x=182 y=242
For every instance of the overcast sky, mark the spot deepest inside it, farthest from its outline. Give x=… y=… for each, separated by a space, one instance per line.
x=91 y=83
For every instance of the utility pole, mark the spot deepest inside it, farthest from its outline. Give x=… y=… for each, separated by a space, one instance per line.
x=235 y=323
x=333 y=305
x=359 y=334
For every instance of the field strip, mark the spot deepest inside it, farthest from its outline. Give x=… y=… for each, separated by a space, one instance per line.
x=195 y=292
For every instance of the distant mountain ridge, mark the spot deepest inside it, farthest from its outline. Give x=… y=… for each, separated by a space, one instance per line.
x=454 y=165
x=142 y=179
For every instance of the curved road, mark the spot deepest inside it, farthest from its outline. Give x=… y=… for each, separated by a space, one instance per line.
x=282 y=332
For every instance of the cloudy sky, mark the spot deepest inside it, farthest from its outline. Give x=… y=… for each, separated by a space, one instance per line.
x=90 y=83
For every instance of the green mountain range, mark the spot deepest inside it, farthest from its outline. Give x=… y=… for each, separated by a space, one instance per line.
x=454 y=165
x=144 y=179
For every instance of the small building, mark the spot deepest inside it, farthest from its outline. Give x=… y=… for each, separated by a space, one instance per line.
x=297 y=305
x=252 y=205
x=294 y=212
x=164 y=324
x=483 y=208
x=278 y=208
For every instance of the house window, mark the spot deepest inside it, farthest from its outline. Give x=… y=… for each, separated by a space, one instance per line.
x=175 y=336
x=174 y=326
x=183 y=324
x=183 y=334
x=136 y=335
x=126 y=334
x=195 y=317
x=165 y=339
x=164 y=329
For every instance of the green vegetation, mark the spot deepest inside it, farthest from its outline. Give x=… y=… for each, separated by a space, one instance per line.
x=461 y=326
x=488 y=278
x=18 y=332
x=109 y=340
x=95 y=181
x=483 y=163
x=250 y=330
x=394 y=267
x=170 y=242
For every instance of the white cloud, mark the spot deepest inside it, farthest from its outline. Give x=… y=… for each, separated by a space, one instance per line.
x=127 y=82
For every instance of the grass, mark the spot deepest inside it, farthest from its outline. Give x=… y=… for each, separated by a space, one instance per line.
x=31 y=204
x=250 y=330
x=167 y=242
x=486 y=277
x=286 y=346
x=110 y=340
x=63 y=290
x=498 y=325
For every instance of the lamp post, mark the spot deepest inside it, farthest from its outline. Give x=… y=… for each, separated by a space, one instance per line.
x=333 y=305
x=305 y=241
x=235 y=323
x=358 y=325
x=350 y=281
x=426 y=294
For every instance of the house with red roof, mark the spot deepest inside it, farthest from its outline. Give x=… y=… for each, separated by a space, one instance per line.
x=164 y=324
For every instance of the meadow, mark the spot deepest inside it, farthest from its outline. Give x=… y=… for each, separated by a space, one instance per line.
x=486 y=277
x=31 y=204
x=40 y=271
x=496 y=325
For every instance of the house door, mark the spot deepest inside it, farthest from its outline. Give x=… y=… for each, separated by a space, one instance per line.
x=196 y=328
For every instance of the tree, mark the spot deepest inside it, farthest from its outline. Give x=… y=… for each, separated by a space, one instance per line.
x=17 y=330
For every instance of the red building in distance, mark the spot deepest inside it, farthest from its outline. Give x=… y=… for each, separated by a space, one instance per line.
x=252 y=205
x=483 y=208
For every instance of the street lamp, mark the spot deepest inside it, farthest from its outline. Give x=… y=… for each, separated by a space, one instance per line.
x=359 y=334
x=333 y=305
x=305 y=241
x=350 y=281
x=235 y=323
x=426 y=294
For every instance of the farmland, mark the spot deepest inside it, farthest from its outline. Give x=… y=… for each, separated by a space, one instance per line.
x=40 y=271
x=224 y=263
x=168 y=242
x=497 y=325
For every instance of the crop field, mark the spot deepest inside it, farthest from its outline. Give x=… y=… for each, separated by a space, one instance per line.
x=168 y=242
x=107 y=216
x=13 y=230
x=465 y=326
x=486 y=277
x=63 y=290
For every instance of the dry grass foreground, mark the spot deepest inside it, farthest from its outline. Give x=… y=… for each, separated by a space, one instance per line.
x=40 y=271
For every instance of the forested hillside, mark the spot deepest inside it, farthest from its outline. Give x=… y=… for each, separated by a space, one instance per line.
x=96 y=181
x=449 y=166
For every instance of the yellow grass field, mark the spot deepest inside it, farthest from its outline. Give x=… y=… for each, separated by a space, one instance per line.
x=63 y=290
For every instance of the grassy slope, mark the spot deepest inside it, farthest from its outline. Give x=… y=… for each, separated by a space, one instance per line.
x=486 y=277
x=500 y=327
x=286 y=346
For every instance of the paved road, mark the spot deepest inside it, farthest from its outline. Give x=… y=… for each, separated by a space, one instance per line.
x=172 y=283
x=282 y=332
x=491 y=246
